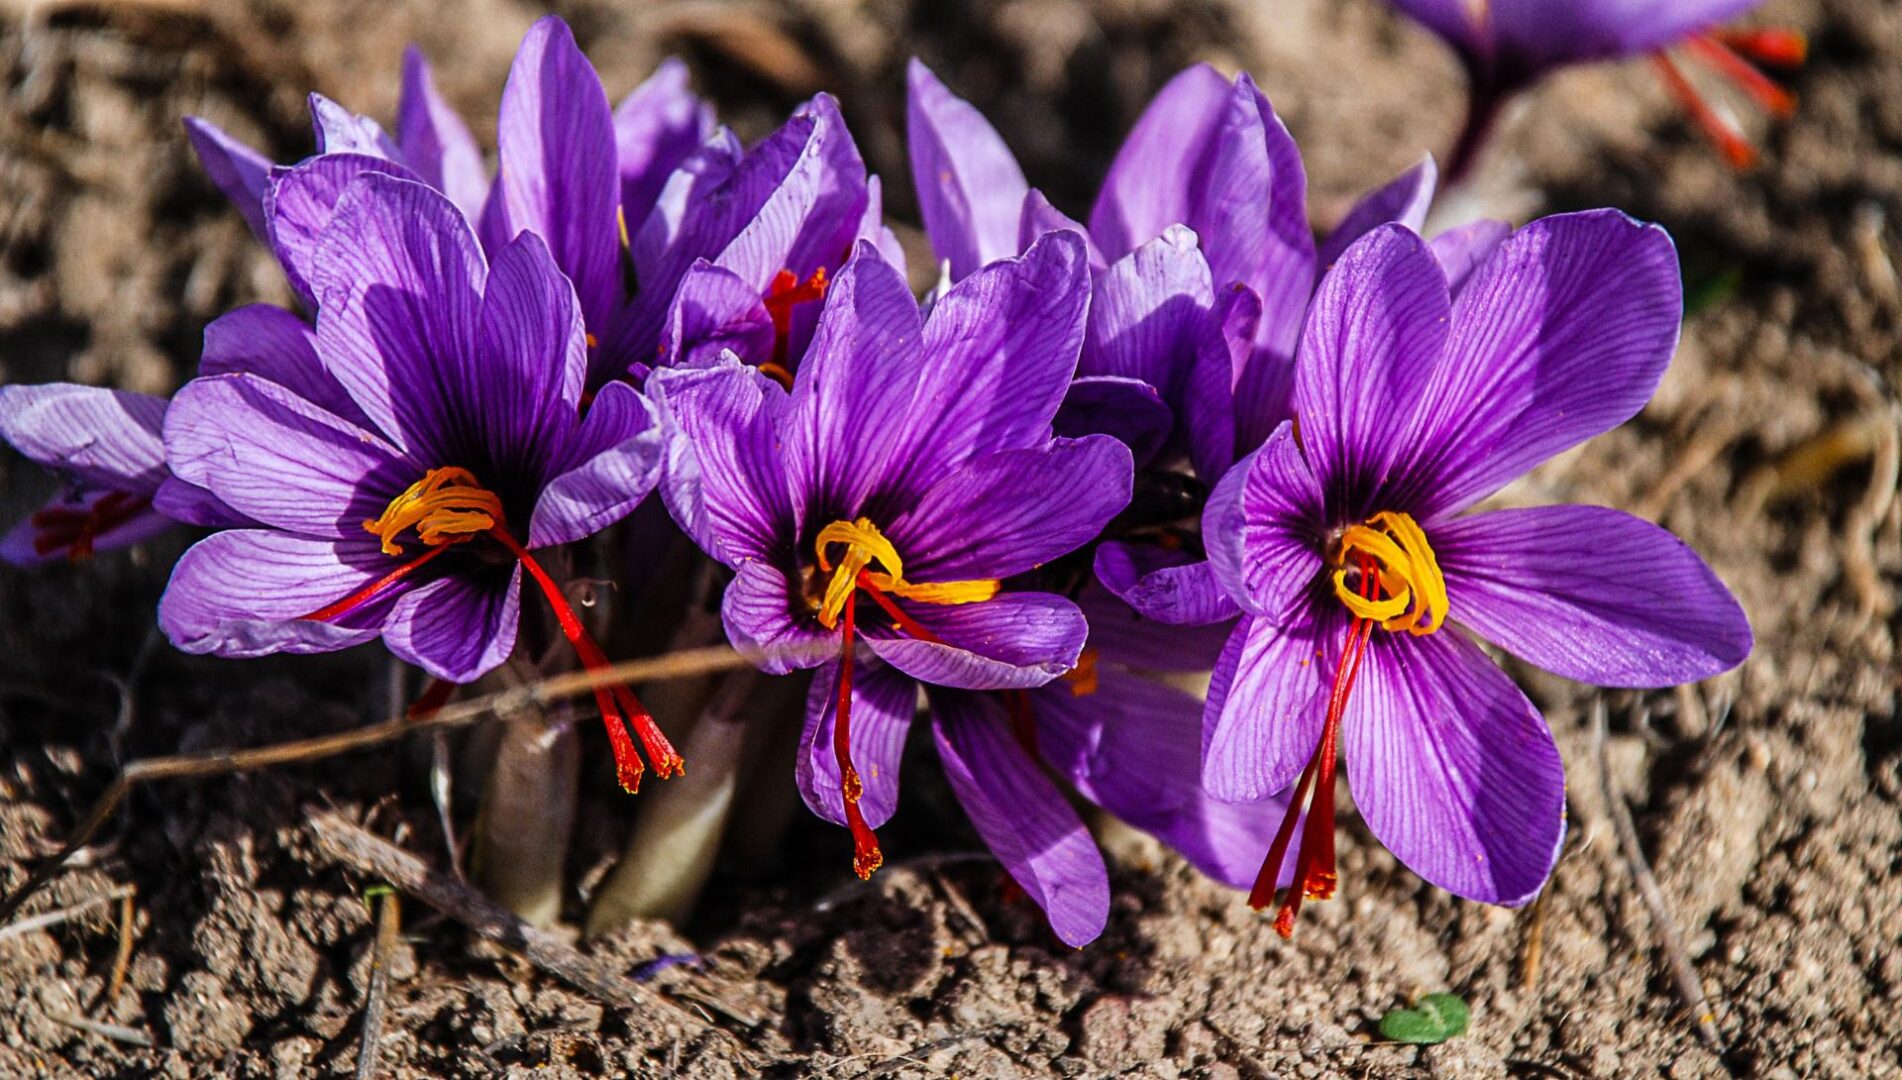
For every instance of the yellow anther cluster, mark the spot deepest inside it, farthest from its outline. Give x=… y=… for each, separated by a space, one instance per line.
x=1414 y=590
x=446 y=506
x=865 y=545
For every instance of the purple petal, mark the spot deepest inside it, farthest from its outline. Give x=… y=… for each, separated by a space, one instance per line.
x=1267 y=704
x=883 y=703
x=725 y=478
x=1148 y=186
x=274 y=344
x=1591 y=594
x=970 y=187
x=615 y=461
x=521 y=392
x=1013 y=641
x=242 y=593
x=716 y=311
x=105 y=438
x=1540 y=35
x=1128 y=409
x=1265 y=243
x=758 y=614
x=17 y=545
x=1147 y=314
x=457 y=628
x=1562 y=335
x=241 y=173
x=1232 y=394
x=1133 y=747
x=853 y=398
x=656 y=127
x=1465 y=249
x=1006 y=513
x=301 y=203
x=1403 y=200
x=190 y=504
x=1374 y=341
x=277 y=459
x=1264 y=530
x=811 y=218
x=872 y=228
x=555 y=142
x=1122 y=635
x=1001 y=346
x=1453 y=769
x=399 y=286
x=340 y=131
x=1021 y=815
x=1039 y=217
x=434 y=140
x=1170 y=587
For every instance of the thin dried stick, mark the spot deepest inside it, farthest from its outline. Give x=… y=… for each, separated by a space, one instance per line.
x=1534 y=954
x=389 y=917
x=681 y=665
x=123 y=957
x=116 y=1032
x=1689 y=986
x=54 y=918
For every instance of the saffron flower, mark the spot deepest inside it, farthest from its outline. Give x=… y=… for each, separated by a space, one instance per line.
x=404 y=495
x=1346 y=542
x=887 y=499
x=105 y=446
x=1507 y=46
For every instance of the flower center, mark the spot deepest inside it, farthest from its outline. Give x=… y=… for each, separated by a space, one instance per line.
x=784 y=293
x=865 y=545
x=75 y=528
x=448 y=506
x=1412 y=591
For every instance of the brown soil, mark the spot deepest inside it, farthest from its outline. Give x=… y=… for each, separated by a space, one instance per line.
x=1769 y=803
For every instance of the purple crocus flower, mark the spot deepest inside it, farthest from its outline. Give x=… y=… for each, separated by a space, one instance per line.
x=1345 y=541
x=911 y=466
x=404 y=476
x=105 y=445
x=1508 y=45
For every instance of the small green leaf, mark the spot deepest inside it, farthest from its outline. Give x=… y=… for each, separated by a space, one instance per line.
x=1437 y=1018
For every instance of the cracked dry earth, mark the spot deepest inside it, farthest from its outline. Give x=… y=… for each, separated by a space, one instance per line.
x=1769 y=802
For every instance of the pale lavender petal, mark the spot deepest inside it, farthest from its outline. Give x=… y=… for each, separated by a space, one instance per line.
x=105 y=438
x=1267 y=703
x=555 y=142
x=457 y=628
x=244 y=592
x=656 y=127
x=615 y=461
x=1403 y=200
x=1014 y=641
x=1133 y=747
x=970 y=187
x=1453 y=769
x=757 y=611
x=399 y=286
x=1129 y=409
x=1001 y=348
x=301 y=202
x=340 y=131
x=274 y=344
x=1463 y=250
x=1039 y=217
x=725 y=479
x=1148 y=185
x=1375 y=339
x=811 y=218
x=1265 y=531
x=716 y=311
x=1147 y=314
x=873 y=230
x=434 y=140
x=1021 y=815
x=241 y=173
x=1169 y=587
x=1591 y=594
x=1562 y=335
x=190 y=504
x=1006 y=513
x=280 y=460
x=884 y=700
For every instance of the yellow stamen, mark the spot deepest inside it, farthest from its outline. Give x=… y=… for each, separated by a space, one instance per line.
x=1415 y=591
x=1082 y=679
x=865 y=545
x=447 y=506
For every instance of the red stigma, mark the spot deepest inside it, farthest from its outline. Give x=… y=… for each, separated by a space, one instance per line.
x=1730 y=54
x=77 y=528
x=785 y=293
x=1315 y=874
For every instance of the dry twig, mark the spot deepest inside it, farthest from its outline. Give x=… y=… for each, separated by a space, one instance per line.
x=389 y=917
x=54 y=918
x=121 y=958
x=1689 y=986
